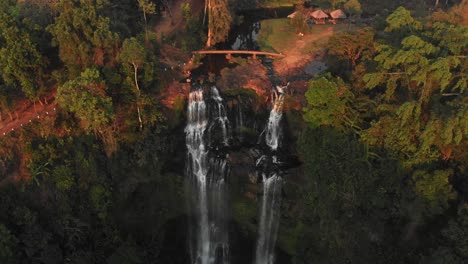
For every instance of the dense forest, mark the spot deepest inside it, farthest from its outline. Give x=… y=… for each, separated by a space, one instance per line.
x=95 y=173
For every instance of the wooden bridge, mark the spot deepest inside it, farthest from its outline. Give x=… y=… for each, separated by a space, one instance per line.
x=248 y=52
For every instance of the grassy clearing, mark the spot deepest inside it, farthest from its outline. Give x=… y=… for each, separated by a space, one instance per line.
x=276 y=34
x=279 y=3
x=280 y=35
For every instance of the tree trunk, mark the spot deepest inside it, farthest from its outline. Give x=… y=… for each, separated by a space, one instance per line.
x=135 y=67
x=436 y=3
x=146 y=26
x=204 y=13
x=210 y=25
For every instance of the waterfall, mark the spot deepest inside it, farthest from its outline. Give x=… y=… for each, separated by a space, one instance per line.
x=272 y=183
x=269 y=219
x=207 y=171
x=220 y=116
x=273 y=127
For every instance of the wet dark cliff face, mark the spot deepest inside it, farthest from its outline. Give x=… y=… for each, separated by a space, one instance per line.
x=247 y=116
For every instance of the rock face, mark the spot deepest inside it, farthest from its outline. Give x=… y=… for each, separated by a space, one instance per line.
x=251 y=75
x=237 y=130
x=175 y=94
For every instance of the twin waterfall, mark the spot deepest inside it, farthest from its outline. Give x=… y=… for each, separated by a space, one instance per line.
x=207 y=173
x=208 y=128
x=272 y=182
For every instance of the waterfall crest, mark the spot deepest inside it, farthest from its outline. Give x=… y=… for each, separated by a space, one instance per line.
x=207 y=172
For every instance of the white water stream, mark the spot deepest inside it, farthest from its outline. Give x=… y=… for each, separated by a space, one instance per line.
x=208 y=180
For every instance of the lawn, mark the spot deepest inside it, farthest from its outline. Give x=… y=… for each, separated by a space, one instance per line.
x=279 y=35
x=279 y=3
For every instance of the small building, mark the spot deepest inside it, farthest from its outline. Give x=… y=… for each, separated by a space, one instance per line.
x=319 y=16
x=337 y=15
x=293 y=15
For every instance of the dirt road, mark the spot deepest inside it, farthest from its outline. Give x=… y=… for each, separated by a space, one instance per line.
x=26 y=116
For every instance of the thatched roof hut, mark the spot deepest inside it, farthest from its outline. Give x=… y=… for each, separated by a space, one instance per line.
x=319 y=16
x=293 y=15
x=336 y=15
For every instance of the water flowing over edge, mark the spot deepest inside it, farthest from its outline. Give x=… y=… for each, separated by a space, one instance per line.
x=207 y=174
x=269 y=219
x=273 y=130
x=271 y=200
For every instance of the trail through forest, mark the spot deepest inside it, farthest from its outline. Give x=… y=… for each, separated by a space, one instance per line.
x=26 y=114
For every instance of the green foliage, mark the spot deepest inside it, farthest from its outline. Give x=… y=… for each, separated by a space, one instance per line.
x=147 y=6
x=22 y=63
x=338 y=3
x=63 y=178
x=409 y=107
x=353 y=7
x=186 y=10
x=85 y=97
x=83 y=36
x=401 y=19
x=7 y=245
x=100 y=200
x=132 y=52
x=415 y=74
x=328 y=100
x=348 y=196
x=352 y=46
x=37 y=170
x=219 y=21
x=434 y=190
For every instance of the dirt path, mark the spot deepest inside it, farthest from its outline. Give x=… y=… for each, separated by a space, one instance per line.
x=26 y=116
x=295 y=57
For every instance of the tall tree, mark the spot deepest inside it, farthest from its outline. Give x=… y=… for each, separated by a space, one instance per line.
x=134 y=54
x=86 y=97
x=354 y=8
x=148 y=8
x=83 y=35
x=219 y=21
x=352 y=46
x=424 y=79
x=22 y=63
x=329 y=103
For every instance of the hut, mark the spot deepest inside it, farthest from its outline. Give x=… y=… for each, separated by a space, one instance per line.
x=319 y=16
x=337 y=15
x=293 y=15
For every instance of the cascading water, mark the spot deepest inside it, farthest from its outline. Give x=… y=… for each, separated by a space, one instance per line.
x=273 y=128
x=208 y=172
x=220 y=117
x=269 y=219
x=272 y=183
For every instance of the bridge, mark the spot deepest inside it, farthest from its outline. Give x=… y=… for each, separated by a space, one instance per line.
x=248 y=52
